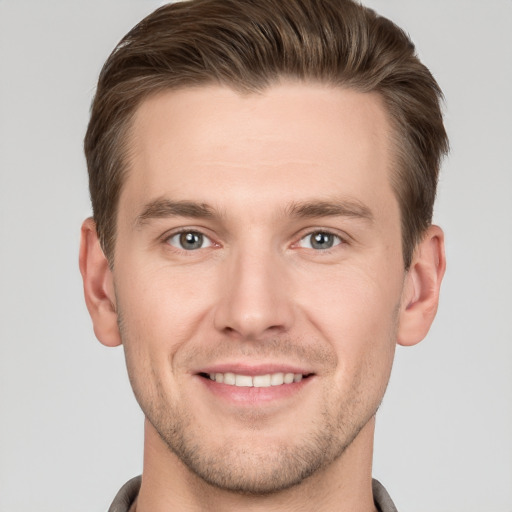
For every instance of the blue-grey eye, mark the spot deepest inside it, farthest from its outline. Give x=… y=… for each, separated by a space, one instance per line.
x=189 y=240
x=320 y=240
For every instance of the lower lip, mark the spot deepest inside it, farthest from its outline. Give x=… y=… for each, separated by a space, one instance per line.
x=255 y=395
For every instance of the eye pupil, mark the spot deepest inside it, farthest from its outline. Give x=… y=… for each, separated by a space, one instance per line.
x=191 y=240
x=322 y=240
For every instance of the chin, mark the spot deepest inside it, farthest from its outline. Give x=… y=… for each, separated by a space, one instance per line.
x=242 y=466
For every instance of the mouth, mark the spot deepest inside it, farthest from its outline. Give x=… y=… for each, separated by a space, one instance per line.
x=255 y=381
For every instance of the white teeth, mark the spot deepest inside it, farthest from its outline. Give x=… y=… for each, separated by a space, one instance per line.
x=243 y=381
x=229 y=378
x=261 y=381
x=288 y=378
x=276 y=379
x=258 y=381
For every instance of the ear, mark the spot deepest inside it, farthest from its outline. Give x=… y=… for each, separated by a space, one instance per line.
x=98 y=286
x=420 y=295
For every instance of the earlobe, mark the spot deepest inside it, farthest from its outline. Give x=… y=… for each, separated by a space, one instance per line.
x=98 y=286
x=421 y=288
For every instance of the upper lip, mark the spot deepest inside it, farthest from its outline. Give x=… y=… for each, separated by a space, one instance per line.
x=253 y=370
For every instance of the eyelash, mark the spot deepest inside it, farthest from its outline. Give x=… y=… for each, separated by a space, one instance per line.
x=185 y=231
x=168 y=237
x=324 y=232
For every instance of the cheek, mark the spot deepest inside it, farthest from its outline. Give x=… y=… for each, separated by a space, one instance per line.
x=163 y=305
x=158 y=315
x=353 y=300
x=163 y=310
x=356 y=312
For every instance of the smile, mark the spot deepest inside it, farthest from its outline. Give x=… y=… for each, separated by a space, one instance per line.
x=256 y=381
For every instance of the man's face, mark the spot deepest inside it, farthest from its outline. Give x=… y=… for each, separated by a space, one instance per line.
x=259 y=243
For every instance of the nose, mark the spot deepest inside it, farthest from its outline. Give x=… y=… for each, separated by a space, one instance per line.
x=255 y=301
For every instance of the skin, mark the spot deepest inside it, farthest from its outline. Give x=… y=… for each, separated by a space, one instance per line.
x=274 y=169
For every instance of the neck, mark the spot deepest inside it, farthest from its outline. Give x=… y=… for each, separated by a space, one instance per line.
x=343 y=486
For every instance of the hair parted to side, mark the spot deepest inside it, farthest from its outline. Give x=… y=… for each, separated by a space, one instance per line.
x=250 y=45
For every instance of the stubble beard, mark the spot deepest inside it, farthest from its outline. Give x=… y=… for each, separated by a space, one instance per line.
x=240 y=469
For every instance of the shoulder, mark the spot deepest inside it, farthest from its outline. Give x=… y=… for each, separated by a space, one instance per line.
x=382 y=500
x=126 y=495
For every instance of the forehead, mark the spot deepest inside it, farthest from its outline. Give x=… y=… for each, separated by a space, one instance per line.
x=283 y=144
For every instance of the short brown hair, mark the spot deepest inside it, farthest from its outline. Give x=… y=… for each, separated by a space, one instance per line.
x=249 y=45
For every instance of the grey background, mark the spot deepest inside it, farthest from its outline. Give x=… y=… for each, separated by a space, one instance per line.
x=70 y=430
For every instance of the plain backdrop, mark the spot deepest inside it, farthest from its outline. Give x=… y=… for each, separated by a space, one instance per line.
x=70 y=429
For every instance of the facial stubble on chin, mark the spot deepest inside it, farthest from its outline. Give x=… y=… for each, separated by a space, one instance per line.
x=238 y=468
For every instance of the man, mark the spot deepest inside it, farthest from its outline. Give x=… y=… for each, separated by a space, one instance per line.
x=262 y=176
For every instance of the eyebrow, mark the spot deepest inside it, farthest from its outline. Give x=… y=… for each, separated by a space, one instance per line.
x=332 y=208
x=164 y=208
